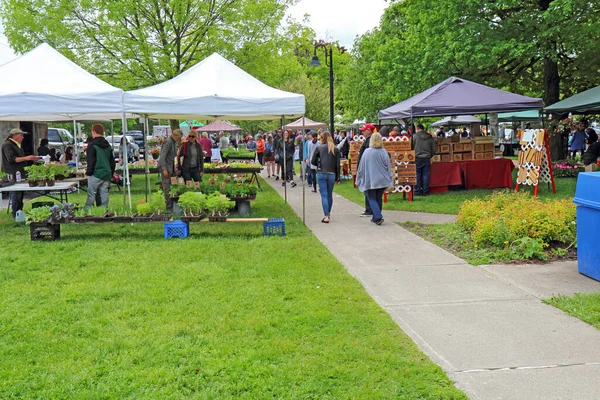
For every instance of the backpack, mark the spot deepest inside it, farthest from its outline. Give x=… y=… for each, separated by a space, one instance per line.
x=268 y=150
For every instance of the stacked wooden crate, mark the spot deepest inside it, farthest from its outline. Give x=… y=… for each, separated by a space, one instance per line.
x=484 y=148
x=462 y=151
x=443 y=150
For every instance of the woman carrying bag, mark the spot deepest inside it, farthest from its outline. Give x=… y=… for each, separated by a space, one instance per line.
x=327 y=159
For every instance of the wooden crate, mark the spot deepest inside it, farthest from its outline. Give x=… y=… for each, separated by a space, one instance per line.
x=467 y=156
x=457 y=147
x=436 y=158
x=441 y=140
x=485 y=155
x=479 y=148
x=404 y=145
x=488 y=147
x=457 y=156
x=444 y=148
x=405 y=156
x=467 y=146
x=446 y=158
x=406 y=170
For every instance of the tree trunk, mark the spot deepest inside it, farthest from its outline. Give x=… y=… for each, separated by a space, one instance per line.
x=174 y=124
x=551 y=96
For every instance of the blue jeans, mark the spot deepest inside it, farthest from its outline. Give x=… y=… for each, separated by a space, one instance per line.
x=423 y=168
x=375 y=198
x=312 y=178
x=326 y=182
x=16 y=202
x=191 y=173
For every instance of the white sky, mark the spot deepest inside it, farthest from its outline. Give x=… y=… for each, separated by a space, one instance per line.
x=340 y=19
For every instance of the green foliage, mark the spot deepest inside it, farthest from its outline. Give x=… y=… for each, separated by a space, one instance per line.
x=59 y=169
x=35 y=172
x=229 y=153
x=39 y=214
x=218 y=205
x=585 y=306
x=505 y=217
x=177 y=190
x=192 y=203
x=316 y=93
x=144 y=209
x=158 y=202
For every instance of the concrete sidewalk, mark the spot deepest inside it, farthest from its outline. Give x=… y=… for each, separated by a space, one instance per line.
x=485 y=326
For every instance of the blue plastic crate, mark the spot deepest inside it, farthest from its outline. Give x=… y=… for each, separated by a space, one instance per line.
x=176 y=229
x=274 y=227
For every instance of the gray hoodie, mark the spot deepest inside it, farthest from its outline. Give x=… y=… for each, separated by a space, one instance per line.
x=424 y=145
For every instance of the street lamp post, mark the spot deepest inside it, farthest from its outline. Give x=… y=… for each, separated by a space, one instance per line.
x=328 y=49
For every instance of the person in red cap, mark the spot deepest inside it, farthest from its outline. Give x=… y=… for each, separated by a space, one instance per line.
x=366 y=130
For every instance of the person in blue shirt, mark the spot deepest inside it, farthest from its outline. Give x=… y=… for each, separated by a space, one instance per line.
x=578 y=140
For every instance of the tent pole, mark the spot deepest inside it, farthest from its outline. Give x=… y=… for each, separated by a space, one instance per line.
x=302 y=170
x=126 y=165
x=146 y=167
x=75 y=144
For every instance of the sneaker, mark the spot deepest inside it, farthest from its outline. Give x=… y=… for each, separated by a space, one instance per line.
x=282 y=183
x=379 y=221
x=366 y=214
x=276 y=177
x=293 y=184
x=268 y=176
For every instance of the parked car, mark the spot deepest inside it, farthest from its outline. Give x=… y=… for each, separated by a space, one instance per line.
x=115 y=142
x=59 y=139
x=138 y=139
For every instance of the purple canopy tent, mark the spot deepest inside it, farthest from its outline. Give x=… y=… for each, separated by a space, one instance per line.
x=220 y=126
x=456 y=96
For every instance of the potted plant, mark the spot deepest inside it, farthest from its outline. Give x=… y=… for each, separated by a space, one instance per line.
x=155 y=153
x=35 y=175
x=121 y=215
x=38 y=215
x=144 y=212
x=218 y=207
x=60 y=171
x=252 y=190
x=40 y=227
x=62 y=213
x=49 y=175
x=159 y=205
x=192 y=204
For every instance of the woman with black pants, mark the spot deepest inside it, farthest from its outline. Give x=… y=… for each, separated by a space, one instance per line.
x=190 y=159
x=290 y=147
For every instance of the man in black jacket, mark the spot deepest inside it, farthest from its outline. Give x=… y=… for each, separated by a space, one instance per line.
x=100 y=166
x=13 y=161
x=367 y=130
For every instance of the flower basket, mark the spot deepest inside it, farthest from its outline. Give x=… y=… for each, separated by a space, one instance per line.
x=217 y=218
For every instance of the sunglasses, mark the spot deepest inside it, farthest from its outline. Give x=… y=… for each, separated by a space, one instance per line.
x=192 y=136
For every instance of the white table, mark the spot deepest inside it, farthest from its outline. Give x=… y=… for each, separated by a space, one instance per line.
x=216 y=154
x=61 y=187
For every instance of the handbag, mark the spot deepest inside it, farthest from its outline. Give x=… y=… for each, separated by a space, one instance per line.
x=276 y=157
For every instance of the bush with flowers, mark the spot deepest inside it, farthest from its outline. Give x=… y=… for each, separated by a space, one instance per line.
x=566 y=169
x=518 y=222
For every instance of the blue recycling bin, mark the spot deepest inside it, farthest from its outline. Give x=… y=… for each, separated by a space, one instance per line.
x=587 y=199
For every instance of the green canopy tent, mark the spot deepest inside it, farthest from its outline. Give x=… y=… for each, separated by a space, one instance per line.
x=522 y=116
x=193 y=123
x=587 y=102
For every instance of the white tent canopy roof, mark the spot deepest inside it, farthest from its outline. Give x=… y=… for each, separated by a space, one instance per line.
x=214 y=88
x=457 y=121
x=44 y=85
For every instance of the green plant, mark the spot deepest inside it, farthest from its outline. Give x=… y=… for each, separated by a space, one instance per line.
x=529 y=248
x=192 y=203
x=252 y=190
x=39 y=214
x=178 y=190
x=158 y=202
x=59 y=169
x=35 y=172
x=144 y=209
x=2 y=175
x=218 y=205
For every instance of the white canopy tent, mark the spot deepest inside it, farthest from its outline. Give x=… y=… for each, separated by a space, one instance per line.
x=43 y=85
x=457 y=121
x=215 y=88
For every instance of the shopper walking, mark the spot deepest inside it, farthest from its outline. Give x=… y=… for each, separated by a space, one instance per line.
x=190 y=159
x=166 y=163
x=260 y=149
x=269 y=156
x=367 y=131
x=100 y=167
x=326 y=157
x=375 y=175
x=284 y=150
x=206 y=144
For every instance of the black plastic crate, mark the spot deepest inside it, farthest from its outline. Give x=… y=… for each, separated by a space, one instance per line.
x=44 y=231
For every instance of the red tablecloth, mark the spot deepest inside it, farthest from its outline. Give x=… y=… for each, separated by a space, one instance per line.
x=443 y=175
x=475 y=174
x=487 y=174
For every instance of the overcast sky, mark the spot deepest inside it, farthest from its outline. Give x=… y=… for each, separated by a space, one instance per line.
x=340 y=19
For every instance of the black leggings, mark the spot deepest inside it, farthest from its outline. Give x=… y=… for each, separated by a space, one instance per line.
x=261 y=158
x=289 y=169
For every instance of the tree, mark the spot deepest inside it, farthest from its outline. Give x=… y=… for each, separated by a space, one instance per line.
x=542 y=48
x=136 y=43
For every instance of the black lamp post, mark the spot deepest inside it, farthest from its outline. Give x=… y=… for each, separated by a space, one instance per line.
x=328 y=48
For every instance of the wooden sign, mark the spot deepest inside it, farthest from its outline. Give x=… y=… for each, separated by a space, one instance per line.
x=534 y=161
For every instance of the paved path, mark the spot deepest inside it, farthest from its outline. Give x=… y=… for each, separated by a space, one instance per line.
x=485 y=326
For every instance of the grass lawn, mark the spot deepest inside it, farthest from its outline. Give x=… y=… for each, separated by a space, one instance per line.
x=583 y=306
x=449 y=202
x=117 y=311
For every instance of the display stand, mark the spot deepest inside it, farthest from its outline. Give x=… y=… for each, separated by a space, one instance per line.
x=534 y=162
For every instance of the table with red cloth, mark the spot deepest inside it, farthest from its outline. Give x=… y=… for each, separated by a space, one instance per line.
x=474 y=174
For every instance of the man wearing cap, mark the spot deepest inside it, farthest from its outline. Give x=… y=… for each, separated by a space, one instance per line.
x=367 y=130
x=166 y=163
x=13 y=160
x=100 y=167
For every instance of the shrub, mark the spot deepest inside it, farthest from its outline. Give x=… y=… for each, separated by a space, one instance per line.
x=504 y=218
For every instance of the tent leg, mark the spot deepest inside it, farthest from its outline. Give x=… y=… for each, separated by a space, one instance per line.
x=303 y=168
x=126 y=194
x=146 y=167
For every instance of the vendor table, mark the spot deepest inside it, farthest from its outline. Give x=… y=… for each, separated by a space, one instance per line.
x=474 y=174
x=211 y=170
x=61 y=187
